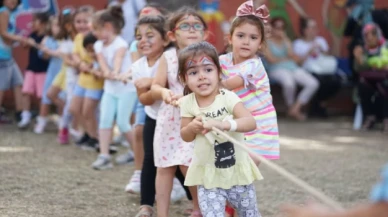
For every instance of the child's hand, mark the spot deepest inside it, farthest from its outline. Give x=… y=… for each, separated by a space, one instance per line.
x=143 y=83
x=209 y=124
x=196 y=126
x=167 y=95
x=175 y=99
x=84 y=67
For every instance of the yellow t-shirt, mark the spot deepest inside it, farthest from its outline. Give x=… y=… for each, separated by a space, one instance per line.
x=60 y=78
x=86 y=80
x=218 y=163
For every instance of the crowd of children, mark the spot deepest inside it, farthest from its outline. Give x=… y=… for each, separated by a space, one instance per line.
x=165 y=92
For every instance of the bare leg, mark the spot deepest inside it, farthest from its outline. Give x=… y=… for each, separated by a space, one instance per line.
x=17 y=92
x=193 y=190
x=89 y=115
x=105 y=139
x=138 y=147
x=52 y=94
x=164 y=182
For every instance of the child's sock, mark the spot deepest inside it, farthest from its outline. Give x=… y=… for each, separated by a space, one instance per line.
x=26 y=119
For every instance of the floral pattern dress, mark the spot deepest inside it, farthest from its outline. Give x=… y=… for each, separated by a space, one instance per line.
x=169 y=148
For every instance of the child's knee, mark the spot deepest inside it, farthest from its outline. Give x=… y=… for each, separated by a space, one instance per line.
x=124 y=126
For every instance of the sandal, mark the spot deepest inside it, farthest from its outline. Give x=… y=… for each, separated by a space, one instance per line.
x=369 y=123
x=196 y=213
x=145 y=211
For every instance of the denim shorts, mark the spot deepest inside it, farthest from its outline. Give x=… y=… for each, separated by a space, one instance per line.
x=11 y=76
x=87 y=93
x=140 y=114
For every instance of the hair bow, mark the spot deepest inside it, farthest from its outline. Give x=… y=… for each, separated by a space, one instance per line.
x=247 y=9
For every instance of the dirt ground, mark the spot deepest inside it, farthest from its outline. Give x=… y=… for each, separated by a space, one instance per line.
x=38 y=177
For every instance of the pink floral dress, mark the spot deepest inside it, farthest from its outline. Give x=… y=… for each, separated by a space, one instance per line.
x=169 y=148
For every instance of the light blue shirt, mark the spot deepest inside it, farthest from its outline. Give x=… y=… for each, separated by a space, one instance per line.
x=280 y=51
x=380 y=191
x=5 y=49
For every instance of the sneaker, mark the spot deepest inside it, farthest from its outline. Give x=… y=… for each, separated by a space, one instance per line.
x=102 y=163
x=4 y=119
x=77 y=135
x=90 y=145
x=133 y=186
x=178 y=192
x=40 y=125
x=85 y=138
x=26 y=119
x=63 y=136
x=125 y=158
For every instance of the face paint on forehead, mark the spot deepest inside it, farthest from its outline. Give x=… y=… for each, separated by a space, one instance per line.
x=149 y=29
x=204 y=60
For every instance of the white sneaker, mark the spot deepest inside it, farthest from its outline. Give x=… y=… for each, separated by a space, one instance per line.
x=40 y=125
x=102 y=163
x=133 y=186
x=178 y=192
x=125 y=158
x=75 y=134
x=26 y=119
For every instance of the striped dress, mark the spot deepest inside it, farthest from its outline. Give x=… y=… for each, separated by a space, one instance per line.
x=257 y=98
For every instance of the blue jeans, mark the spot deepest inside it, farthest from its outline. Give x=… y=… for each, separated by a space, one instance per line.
x=119 y=107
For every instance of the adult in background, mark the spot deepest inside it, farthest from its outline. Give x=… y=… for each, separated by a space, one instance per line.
x=373 y=85
x=283 y=68
x=313 y=50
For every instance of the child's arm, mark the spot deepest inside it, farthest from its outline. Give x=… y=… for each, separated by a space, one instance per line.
x=160 y=81
x=118 y=60
x=233 y=83
x=145 y=95
x=4 y=19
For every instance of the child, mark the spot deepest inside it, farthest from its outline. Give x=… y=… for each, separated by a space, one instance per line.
x=186 y=27
x=151 y=9
x=88 y=89
x=11 y=74
x=50 y=51
x=152 y=37
x=245 y=74
x=36 y=70
x=80 y=25
x=88 y=44
x=118 y=100
x=221 y=170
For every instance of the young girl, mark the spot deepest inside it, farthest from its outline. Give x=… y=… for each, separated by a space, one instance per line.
x=11 y=74
x=118 y=100
x=245 y=74
x=185 y=27
x=152 y=38
x=50 y=51
x=36 y=70
x=152 y=9
x=221 y=170
x=87 y=91
x=80 y=24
